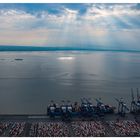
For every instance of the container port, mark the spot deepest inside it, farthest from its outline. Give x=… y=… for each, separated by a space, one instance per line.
x=82 y=119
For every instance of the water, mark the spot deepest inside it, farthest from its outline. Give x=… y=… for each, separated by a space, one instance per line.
x=29 y=80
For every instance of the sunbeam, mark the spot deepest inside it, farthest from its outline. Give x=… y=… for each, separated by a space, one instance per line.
x=97 y=26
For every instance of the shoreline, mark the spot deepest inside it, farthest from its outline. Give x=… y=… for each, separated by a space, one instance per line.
x=45 y=116
x=59 y=49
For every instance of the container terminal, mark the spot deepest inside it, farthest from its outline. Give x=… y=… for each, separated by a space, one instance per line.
x=82 y=119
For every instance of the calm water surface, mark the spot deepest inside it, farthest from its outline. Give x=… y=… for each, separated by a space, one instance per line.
x=29 y=80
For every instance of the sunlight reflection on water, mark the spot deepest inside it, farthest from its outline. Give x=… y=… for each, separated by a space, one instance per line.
x=66 y=58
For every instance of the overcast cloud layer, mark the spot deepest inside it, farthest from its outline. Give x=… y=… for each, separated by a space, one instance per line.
x=115 y=26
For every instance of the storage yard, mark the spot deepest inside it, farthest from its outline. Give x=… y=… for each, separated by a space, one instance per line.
x=42 y=126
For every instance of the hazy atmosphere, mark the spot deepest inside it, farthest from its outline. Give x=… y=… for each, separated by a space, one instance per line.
x=107 y=26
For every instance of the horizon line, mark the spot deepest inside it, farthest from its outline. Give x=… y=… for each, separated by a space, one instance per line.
x=41 y=48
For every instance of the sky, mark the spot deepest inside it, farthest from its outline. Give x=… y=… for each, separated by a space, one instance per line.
x=105 y=26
